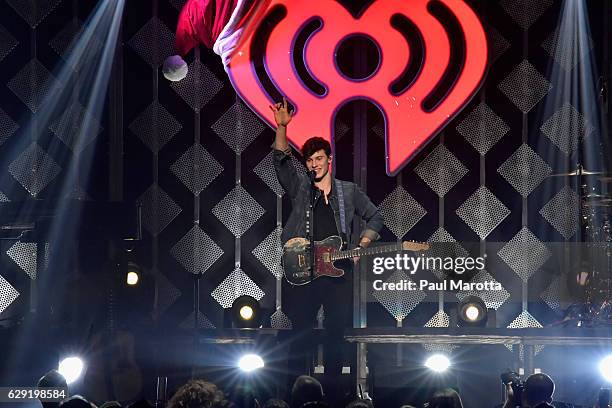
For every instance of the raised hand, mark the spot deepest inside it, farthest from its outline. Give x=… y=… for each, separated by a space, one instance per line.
x=282 y=116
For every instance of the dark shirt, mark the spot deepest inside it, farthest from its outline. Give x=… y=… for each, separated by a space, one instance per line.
x=324 y=222
x=297 y=186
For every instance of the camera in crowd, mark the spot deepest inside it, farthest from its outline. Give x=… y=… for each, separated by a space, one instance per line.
x=517 y=384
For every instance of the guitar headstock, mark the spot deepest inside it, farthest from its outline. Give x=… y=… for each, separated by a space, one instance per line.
x=415 y=246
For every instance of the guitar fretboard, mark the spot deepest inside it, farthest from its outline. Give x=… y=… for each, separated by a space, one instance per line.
x=352 y=253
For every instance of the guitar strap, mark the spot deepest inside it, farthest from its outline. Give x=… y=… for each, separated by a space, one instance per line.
x=340 y=194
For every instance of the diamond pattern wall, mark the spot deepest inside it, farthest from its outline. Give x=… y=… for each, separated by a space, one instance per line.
x=34 y=169
x=32 y=83
x=196 y=251
x=562 y=212
x=7 y=294
x=155 y=126
x=525 y=86
x=483 y=128
x=524 y=254
x=401 y=211
x=196 y=168
x=482 y=212
x=441 y=170
x=238 y=211
x=524 y=170
x=235 y=285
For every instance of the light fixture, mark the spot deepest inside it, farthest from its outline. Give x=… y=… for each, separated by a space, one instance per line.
x=71 y=368
x=438 y=363
x=246 y=312
x=472 y=311
x=250 y=362
x=605 y=368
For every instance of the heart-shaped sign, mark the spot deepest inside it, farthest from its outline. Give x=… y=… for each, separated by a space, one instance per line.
x=432 y=59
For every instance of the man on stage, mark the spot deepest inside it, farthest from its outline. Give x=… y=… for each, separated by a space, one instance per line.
x=336 y=203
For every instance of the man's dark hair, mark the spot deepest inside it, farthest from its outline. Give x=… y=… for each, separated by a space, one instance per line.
x=198 y=394
x=313 y=145
x=306 y=389
x=538 y=388
x=446 y=398
x=275 y=403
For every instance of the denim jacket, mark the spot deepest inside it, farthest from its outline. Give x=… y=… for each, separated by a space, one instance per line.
x=297 y=185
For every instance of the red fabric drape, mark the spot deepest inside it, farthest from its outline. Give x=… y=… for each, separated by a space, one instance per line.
x=201 y=21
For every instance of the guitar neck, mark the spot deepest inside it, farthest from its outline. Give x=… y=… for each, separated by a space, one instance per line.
x=352 y=253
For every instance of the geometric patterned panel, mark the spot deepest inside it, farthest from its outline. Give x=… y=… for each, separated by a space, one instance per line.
x=154 y=42
x=525 y=86
x=196 y=251
x=3 y=198
x=158 y=209
x=269 y=252
x=155 y=126
x=238 y=211
x=235 y=285
x=493 y=299
x=196 y=168
x=443 y=251
x=238 y=127
x=566 y=127
x=524 y=320
x=555 y=293
x=7 y=294
x=267 y=174
x=440 y=319
x=279 y=320
x=482 y=212
x=497 y=45
x=7 y=126
x=34 y=169
x=32 y=83
x=203 y=322
x=441 y=170
x=562 y=212
x=7 y=43
x=198 y=87
x=401 y=212
x=65 y=38
x=33 y=11
x=524 y=170
x=24 y=255
x=569 y=50
x=524 y=254
x=76 y=127
x=399 y=302
x=525 y=12
x=483 y=128
x=168 y=293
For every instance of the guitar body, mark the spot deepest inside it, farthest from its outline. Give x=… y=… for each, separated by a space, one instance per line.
x=296 y=259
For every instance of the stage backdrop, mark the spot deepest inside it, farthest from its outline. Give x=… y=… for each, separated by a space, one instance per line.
x=199 y=162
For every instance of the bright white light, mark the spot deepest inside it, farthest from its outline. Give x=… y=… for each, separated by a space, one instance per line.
x=71 y=368
x=246 y=312
x=250 y=362
x=132 y=278
x=438 y=363
x=605 y=368
x=472 y=313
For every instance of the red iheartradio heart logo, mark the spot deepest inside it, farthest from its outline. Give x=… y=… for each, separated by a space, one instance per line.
x=432 y=59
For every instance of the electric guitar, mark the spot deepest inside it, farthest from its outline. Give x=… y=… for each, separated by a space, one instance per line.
x=296 y=257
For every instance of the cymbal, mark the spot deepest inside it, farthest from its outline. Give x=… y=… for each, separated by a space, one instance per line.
x=578 y=173
x=598 y=197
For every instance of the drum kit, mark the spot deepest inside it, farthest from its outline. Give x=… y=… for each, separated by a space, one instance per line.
x=593 y=277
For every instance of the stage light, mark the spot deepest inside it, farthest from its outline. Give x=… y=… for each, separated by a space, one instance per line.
x=133 y=274
x=71 y=368
x=472 y=311
x=250 y=362
x=438 y=363
x=605 y=368
x=246 y=312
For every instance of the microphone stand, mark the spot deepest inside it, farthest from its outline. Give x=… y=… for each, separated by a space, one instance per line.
x=313 y=190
